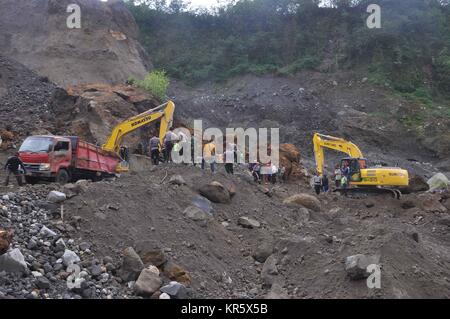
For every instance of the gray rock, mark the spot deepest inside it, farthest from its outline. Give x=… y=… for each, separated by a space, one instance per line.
x=248 y=222
x=56 y=197
x=203 y=203
x=277 y=292
x=42 y=282
x=147 y=283
x=216 y=193
x=177 y=180
x=263 y=251
x=60 y=245
x=175 y=290
x=196 y=214
x=13 y=261
x=356 y=265
x=84 y=245
x=46 y=232
x=69 y=257
x=269 y=271
x=95 y=270
x=132 y=265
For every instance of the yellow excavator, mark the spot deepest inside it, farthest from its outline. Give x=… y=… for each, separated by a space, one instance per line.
x=362 y=177
x=164 y=112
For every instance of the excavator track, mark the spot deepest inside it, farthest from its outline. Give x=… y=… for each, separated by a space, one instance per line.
x=397 y=194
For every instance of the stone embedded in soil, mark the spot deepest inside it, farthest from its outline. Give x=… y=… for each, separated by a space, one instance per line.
x=56 y=197
x=356 y=265
x=132 y=265
x=248 y=222
x=269 y=271
x=277 y=292
x=196 y=214
x=150 y=254
x=175 y=290
x=305 y=200
x=216 y=193
x=177 y=273
x=177 y=180
x=263 y=251
x=148 y=283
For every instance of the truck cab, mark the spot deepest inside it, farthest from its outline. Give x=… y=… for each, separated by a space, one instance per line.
x=46 y=158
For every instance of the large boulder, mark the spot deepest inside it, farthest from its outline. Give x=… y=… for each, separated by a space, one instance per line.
x=13 y=261
x=438 y=182
x=56 y=197
x=132 y=265
x=216 y=193
x=417 y=184
x=291 y=152
x=305 y=200
x=148 y=282
x=177 y=273
x=150 y=253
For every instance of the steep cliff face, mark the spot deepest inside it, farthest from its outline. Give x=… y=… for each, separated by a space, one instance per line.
x=104 y=49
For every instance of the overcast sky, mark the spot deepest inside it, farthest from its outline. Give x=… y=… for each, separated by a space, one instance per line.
x=203 y=3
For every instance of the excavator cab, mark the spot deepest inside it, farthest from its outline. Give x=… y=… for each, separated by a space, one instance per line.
x=355 y=166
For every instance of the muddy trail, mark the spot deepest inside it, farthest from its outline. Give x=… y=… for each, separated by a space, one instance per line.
x=258 y=245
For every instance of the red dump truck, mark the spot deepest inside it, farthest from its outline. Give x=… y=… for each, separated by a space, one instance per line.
x=64 y=159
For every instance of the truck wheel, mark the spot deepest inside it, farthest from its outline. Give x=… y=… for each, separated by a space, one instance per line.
x=62 y=177
x=31 y=180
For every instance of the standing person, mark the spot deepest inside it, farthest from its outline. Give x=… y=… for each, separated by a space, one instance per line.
x=169 y=140
x=317 y=182
x=337 y=176
x=12 y=167
x=230 y=158
x=209 y=155
x=193 y=143
x=325 y=183
x=275 y=171
x=344 y=184
x=154 y=150
x=255 y=168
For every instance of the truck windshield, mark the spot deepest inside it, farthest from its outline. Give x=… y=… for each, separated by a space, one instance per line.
x=37 y=145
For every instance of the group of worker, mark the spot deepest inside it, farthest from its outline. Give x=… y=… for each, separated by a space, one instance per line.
x=266 y=173
x=262 y=173
x=341 y=178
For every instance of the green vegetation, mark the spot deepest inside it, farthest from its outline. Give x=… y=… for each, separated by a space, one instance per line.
x=410 y=53
x=156 y=83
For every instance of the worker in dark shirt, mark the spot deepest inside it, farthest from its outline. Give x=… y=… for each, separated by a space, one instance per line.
x=12 y=167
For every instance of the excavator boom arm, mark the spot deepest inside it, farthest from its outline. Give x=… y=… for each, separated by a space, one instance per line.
x=163 y=112
x=321 y=141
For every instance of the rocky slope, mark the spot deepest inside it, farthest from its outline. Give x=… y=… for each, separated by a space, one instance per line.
x=105 y=49
x=249 y=241
x=343 y=105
